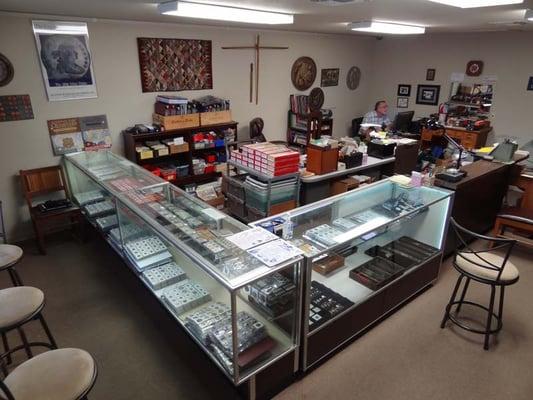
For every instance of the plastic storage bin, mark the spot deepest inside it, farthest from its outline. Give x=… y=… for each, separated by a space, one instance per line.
x=257 y=193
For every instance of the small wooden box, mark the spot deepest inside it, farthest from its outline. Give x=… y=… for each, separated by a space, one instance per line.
x=320 y=160
x=282 y=207
x=215 y=117
x=171 y=122
x=218 y=202
x=344 y=185
x=328 y=264
x=178 y=148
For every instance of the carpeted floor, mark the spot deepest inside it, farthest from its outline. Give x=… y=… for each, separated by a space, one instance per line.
x=93 y=302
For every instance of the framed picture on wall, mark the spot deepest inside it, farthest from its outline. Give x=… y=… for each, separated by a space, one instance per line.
x=428 y=94
x=404 y=90
x=329 y=77
x=403 y=102
x=530 y=83
x=430 y=74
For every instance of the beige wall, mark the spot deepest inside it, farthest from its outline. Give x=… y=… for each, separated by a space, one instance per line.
x=25 y=144
x=508 y=55
x=384 y=64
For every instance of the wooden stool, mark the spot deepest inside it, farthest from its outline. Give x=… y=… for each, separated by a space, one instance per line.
x=19 y=305
x=10 y=255
x=64 y=374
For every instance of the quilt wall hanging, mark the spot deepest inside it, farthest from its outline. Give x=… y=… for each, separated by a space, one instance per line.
x=169 y=65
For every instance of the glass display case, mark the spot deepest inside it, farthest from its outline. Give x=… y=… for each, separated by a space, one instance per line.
x=244 y=313
x=367 y=251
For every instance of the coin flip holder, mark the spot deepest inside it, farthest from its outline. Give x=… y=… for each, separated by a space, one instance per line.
x=164 y=275
x=235 y=267
x=185 y=295
x=88 y=197
x=201 y=322
x=107 y=223
x=128 y=230
x=100 y=208
x=324 y=304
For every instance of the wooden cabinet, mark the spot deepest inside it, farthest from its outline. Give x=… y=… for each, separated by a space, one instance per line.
x=469 y=139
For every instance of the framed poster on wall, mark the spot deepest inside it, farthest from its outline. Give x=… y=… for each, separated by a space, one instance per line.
x=65 y=57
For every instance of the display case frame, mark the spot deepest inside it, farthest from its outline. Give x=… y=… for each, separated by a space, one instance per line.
x=373 y=305
x=287 y=346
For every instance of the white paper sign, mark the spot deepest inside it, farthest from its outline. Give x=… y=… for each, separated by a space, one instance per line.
x=490 y=79
x=251 y=238
x=275 y=253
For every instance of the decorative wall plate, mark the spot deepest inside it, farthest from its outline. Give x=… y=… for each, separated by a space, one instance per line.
x=316 y=99
x=6 y=70
x=353 y=78
x=474 y=68
x=303 y=73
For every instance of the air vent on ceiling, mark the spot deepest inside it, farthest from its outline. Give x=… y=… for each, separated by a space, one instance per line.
x=339 y=2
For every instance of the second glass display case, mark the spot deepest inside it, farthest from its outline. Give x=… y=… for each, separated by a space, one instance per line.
x=366 y=251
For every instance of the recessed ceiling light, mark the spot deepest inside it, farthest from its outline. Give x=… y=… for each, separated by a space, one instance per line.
x=529 y=15
x=386 y=27
x=223 y=13
x=477 y=3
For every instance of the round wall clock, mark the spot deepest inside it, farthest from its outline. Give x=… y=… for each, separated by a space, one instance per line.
x=303 y=73
x=6 y=70
x=353 y=78
x=316 y=99
x=474 y=68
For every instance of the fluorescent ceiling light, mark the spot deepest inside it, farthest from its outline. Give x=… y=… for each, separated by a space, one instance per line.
x=224 y=13
x=477 y=3
x=529 y=15
x=386 y=27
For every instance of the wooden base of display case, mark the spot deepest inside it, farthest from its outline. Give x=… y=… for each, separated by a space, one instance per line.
x=326 y=340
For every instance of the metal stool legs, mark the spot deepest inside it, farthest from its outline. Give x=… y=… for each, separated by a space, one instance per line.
x=488 y=330
x=6 y=357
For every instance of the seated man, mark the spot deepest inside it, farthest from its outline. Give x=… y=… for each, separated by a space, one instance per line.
x=378 y=117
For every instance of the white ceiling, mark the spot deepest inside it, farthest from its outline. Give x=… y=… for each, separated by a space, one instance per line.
x=310 y=17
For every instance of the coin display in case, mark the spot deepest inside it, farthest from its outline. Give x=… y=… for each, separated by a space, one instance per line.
x=185 y=295
x=88 y=197
x=164 y=275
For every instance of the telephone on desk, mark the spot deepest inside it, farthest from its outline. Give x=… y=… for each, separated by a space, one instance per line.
x=51 y=205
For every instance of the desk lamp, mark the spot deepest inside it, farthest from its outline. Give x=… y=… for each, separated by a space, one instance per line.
x=450 y=174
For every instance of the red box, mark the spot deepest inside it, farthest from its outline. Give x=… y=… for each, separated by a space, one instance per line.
x=168 y=174
x=153 y=169
x=209 y=169
x=210 y=158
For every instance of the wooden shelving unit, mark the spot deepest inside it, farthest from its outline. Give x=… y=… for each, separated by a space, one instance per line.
x=293 y=131
x=132 y=140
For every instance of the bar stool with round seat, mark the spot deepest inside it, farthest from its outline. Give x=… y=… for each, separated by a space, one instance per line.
x=10 y=255
x=64 y=374
x=18 y=306
x=485 y=267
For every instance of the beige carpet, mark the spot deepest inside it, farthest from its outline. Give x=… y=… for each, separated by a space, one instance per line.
x=94 y=303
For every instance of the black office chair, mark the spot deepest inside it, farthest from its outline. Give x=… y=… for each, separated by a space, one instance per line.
x=356 y=126
x=256 y=130
x=485 y=267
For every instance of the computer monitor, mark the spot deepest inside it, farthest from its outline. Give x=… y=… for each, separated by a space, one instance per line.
x=402 y=121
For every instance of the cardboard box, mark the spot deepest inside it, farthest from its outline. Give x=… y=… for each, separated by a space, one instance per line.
x=177 y=121
x=178 y=148
x=215 y=117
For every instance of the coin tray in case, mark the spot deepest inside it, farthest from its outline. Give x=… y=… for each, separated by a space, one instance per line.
x=99 y=209
x=201 y=322
x=88 y=197
x=164 y=275
x=185 y=295
x=325 y=304
x=107 y=223
x=376 y=273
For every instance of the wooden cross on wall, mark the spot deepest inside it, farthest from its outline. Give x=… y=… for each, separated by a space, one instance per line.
x=257 y=49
